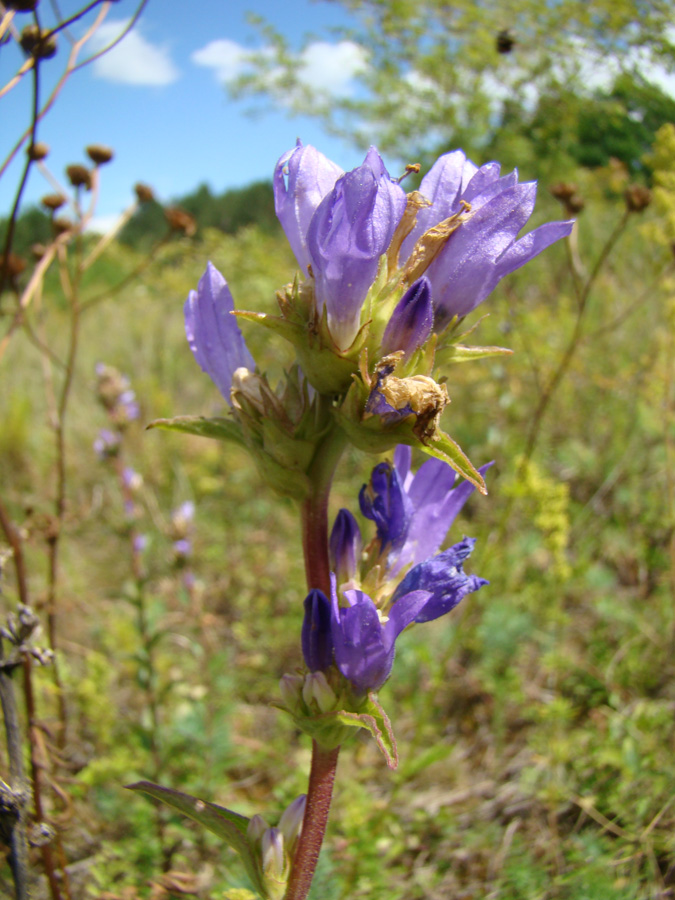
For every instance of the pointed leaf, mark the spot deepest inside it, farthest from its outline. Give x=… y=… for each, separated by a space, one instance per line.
x=375 y=720
x=218 y=428
x=450 y=452
x=228 y=825
x=457 y=353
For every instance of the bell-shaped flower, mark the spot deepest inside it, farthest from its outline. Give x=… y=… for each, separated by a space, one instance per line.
x=411 y=322
x=364 y=640
x=344 y=546
x=351 y=228
x=484 y=247
x=317 y=636
x=213 y=333
x=442 y=575
x=302 y=178
x=413 y=513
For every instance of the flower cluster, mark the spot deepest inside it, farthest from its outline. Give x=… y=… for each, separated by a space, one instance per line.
x=357 y=630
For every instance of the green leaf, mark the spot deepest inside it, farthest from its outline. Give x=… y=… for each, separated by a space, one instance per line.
x=450 y=452
x=218 y=428
x=228 y=825
x=457 y=353
x=374 y=719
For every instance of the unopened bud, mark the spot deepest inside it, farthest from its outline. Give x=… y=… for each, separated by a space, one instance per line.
x=317 y=639
x=317 y=689
x=290 y=823
x=273 y=856
x=144 y=193
x=290 y=687
x=53 y=201
x=411 y=322
x=637 y=197
x=79 y=176
x=38 y=151
x=257 y=826
x=179 y=220
x=345 y=546
x=99 y=154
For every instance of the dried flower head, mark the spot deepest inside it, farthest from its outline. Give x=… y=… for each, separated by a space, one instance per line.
x=505 y=41
x=37 y=151
x=99 y=154
x=144 y=193
x=37 y=42
x=79 y=176
x=179 y=220
x=53 y=201
x=22 y=5
x=61 y=224
x=13 y=265
x=637 y=197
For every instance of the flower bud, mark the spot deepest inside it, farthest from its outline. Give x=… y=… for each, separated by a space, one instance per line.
x=317 y=689
x=345 y=546
x=290 y=687
x=99 y=154
x=257 y=826
x=290 y=823
x=412 y=320
x=317 y=643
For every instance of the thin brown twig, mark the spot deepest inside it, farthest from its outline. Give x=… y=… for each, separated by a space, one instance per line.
x=132 y=21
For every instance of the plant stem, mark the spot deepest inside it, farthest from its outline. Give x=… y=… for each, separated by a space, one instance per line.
x=314 y=516
x=319 y=795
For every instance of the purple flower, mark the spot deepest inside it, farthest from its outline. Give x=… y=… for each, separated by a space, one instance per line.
x=212 y=331
x=483 y=249
x=107 y=443
x=302 y=178
x=345 y=546
x=317 y=641
x=363 y=640
x=412 y=320
x=443 y=577
x=351 y=228
x=182 y=548
x=413 y=513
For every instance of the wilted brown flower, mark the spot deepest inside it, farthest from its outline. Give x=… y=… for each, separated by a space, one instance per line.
x=99 y=154
x=637 y=197
x=79 y=176
x=179 y=220
x=144 y=193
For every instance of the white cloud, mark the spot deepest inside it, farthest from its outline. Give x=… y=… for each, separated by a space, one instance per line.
x=134 y=60
x=103 y=224
x=323 y=66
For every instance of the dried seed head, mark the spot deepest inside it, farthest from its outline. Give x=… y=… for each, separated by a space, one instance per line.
x=53 y=201
x=38 y=43
x=99 y=154
x=144 y=193
x=22 y=5
x=575 y=204
x=62 y=224
x=505 y=41
x=79 y=176
x=563 y=190
x=38 y=251
x=179 y=220
x=38 y=151
x=637 y=197
x=14 y=266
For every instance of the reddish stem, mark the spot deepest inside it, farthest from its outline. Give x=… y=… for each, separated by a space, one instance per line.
x=319 y=795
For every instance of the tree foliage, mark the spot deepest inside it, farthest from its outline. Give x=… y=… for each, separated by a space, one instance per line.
x=443 y=74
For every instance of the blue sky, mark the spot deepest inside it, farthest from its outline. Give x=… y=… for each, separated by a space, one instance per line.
x=158 y=99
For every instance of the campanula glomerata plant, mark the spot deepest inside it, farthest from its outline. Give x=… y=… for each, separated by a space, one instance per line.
x=385 y=279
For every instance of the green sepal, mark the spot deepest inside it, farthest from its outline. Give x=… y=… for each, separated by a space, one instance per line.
x=443 y=447
x=457 y=353
x=374 y=719
x=228 y=825
x=286 y=481
x=218 y=428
